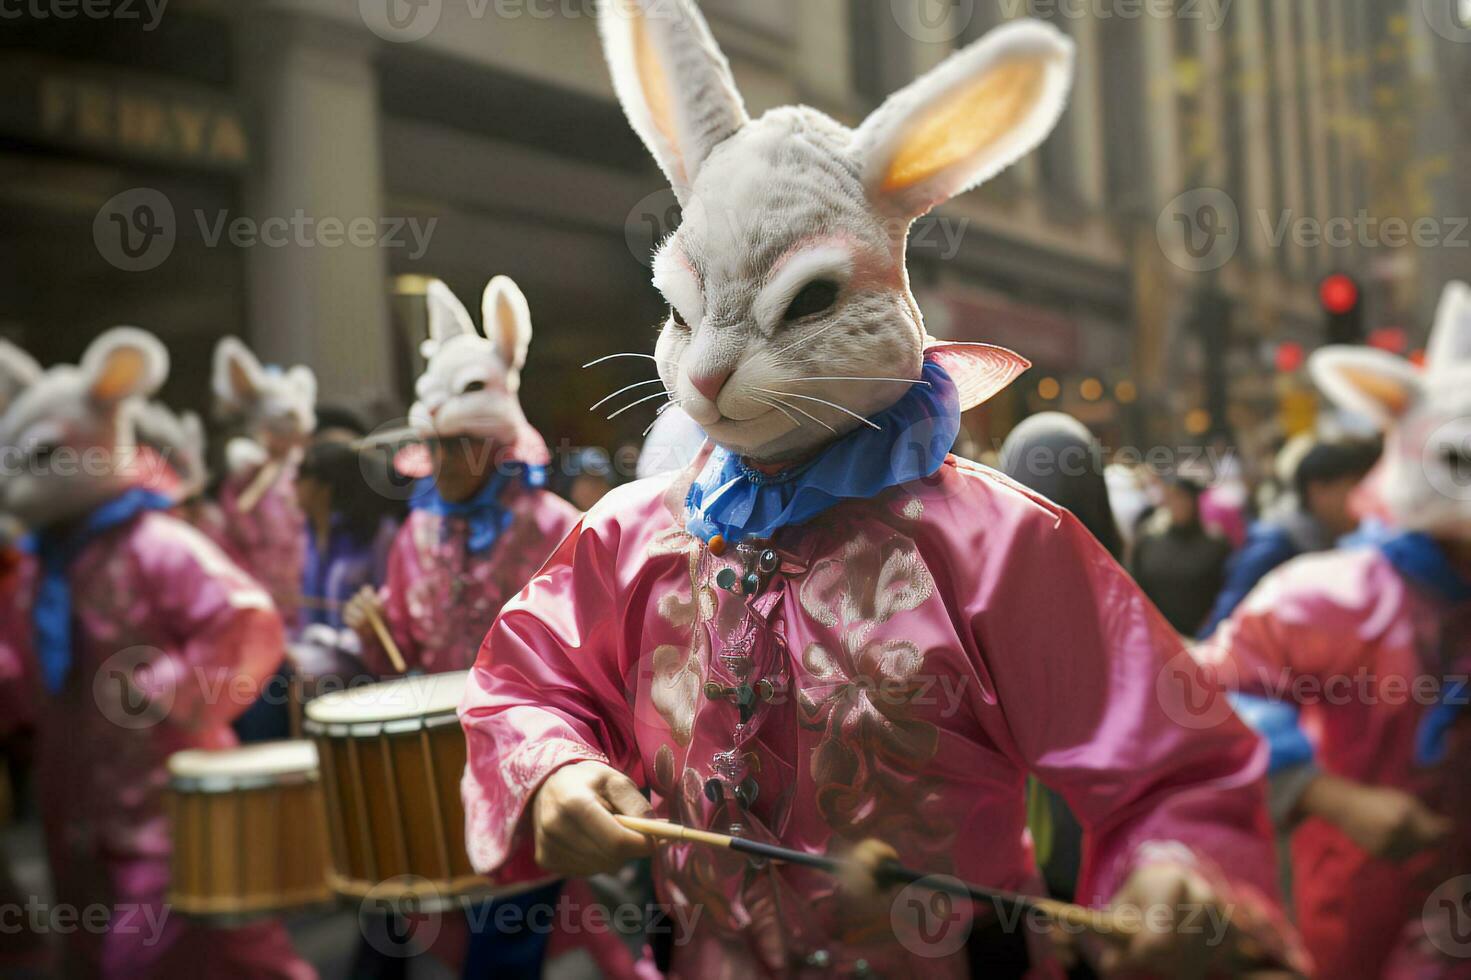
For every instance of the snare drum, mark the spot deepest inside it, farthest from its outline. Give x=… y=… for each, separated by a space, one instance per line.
x=250 y=832
x=392 y=757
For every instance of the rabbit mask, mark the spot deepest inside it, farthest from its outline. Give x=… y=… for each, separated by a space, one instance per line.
x=1425 y=478
x=277 y=406
x=790 y=310
x=69 y=435
x=470 y=385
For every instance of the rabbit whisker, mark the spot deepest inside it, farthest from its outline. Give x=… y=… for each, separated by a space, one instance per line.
x=610 y=357
x=800 y=411
x=823 y=401
x=659 y=414
x=649 y=398
x=637 y=384
x=771 y=404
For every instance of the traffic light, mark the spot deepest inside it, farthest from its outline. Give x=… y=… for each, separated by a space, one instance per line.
x=1343 y=307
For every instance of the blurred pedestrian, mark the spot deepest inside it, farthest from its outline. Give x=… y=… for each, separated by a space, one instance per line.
x=1179 y=564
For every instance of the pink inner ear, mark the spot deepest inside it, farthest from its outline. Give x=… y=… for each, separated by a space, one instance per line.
x=978 y=370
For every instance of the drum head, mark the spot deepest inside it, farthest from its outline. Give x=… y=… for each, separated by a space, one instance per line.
x=247 y=762
x=397 y=700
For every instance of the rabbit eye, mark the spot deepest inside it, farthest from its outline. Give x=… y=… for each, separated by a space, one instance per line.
x=678 y=318
x=41 y=454
x=473 y=387
x=816 y=297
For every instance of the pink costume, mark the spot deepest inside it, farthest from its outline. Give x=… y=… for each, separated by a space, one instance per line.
x=440 y=598
x=152 y=591
x=1358 y=646
x=914 y=657
x=269 y=540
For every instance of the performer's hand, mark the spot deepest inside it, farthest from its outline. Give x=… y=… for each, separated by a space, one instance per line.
x=1387 y=823
x=572 y=817
x=1181 y=926
x=356 y=613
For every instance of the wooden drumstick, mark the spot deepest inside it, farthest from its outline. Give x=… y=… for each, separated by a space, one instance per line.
x=889 y=872
x=385 y=639
x=257 y=488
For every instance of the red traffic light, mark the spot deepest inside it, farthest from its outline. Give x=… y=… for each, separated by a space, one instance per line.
x=1339 y=294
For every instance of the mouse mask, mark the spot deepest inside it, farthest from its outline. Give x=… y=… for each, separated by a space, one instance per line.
x=1424 y=480
x=791 y=317
x=68 y=434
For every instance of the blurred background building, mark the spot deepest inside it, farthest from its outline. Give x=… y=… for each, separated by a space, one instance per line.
x=1155 y=259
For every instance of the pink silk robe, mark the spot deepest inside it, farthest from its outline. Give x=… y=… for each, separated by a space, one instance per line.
x=153 y=591
x=926 y=650
x=439 y=599
x=1352 y=641
x=269 y=540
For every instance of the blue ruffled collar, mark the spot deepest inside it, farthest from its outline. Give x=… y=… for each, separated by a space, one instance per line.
x=486 y=516
x=730 y=501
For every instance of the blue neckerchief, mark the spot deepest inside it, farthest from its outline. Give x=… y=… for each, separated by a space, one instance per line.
x=486 y=518
x=914 y=435
x=1277 y=724
x=51 y=616
x=1418 y=558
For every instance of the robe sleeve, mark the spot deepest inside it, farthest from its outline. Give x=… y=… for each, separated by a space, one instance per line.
x=548 y=689
x=394 y=594
x=1103 y=703
x=227 y=636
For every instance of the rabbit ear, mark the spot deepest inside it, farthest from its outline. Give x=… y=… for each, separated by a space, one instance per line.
x=507 y=321
x=447 y=317
x=980 y=111
x=237 y=375
x=18 y=371
x=1367 y=381
x=304 y=381
x=673 y=81
x=1450 y=338
x=124 y=363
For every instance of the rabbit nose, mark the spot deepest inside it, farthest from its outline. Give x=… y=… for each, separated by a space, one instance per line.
x=709 y=385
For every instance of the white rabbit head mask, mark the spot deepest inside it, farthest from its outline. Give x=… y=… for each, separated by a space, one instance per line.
x=788 y=293
x=68 y=436
x=471 y=383
x=1425 y=477
x=277 y=406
